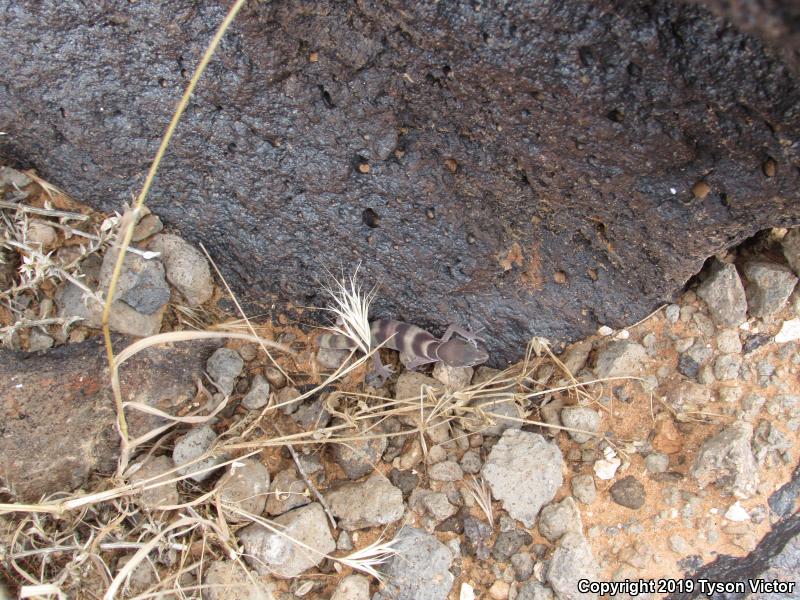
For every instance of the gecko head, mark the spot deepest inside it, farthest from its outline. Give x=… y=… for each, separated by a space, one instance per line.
x=459 y=353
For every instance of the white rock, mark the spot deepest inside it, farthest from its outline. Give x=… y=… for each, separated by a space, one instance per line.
x=467 y=592
x=737 y=513
x=790 y=331
x=605 y=330
x=606 y=467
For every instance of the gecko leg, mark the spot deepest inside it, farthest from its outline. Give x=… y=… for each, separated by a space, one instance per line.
x=381 y=370
x=465 y=333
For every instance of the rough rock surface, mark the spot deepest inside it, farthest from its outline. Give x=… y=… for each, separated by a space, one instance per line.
x=228 y=580
x=272 y=553
x=724 y=294
x=572 y=561
x=245 y=486
x=192 y=446
x=523 y=470
x=366 y=504
x=163 y=495
x=420 y=571
x=727 y=459
x=50 y=446
x=384 y=140
x=186 y=268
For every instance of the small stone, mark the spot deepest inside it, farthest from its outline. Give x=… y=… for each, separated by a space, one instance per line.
x=523 y=471
x=583 y=488
x=523 y=565
x=558 y=518
x=604 y=330
x=656 y=463
x=436 y=454
x=728 y=341
x=583 y=418
x=727 y=459
x=41 y=235
x=352 y=587
x=224 y=367
x=730 y=394
x=286 y=398
x=476 y=533
x=412 y=456
x=345 y=542
x=331 y=358
x=186 y=268
x=606 y=467
x=791 y=248
x=454 y=378
x=672 y=312
x=496 y=406
x=679 y=545
x=575 y=357
x=229 y=580
x=667 y=438
x=471 y=462
x=737 y=513
x=287 y=491
x=366 y=504
x=572 y=561
x=533 y=590
x=405 y=480
x=769 y=167
x=279 y=554
x=510 y=542
x=499 y=590
x=275 y=378
x=258 y=396
x=620 y=359
x=628 y=492
x=446 y=471
x=190 y=447
x=359 y=457
x=165 y=494
x=724 y=294
x=245 y=486
x=38 y=341
x=147 y=226
x=726 y=367
x=769 y=286
x=790 y=331
x=312 y=415
x=438 y=506
x=248 y=352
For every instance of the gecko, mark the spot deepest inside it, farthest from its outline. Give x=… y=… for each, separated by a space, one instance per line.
x=415 y=344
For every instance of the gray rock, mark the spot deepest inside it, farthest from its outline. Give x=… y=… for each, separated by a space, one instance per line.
x=147 y=226
x=572 y=561
x=496 y=406
x=583 y=488
x=523 y=471
x=229 y=580
x=165 y=494
x=421 y=569
x=190 y=447
x=454 y=378
x=509 y=543
x=312 y=414
x=435 y=504
x=186 y=268
x=791 y=248
x=446 y=471
x=679 y=545
x=12 y=177
x=672 y=312
x=344 y=542
x=352 y=587
x=471 y=462
x=724 y=294
x=272 y=553
x=769 y=286
x=523 y=565
x=357 y=458
x=726 y=367
x=620 y=359
x=405 y=480
x=575 y=357
x=224 y=367
x=476 y=534
x=245 y=485
x=287 y=491
x=656 y=462
x=580 y=417
x=628 y=492
x=38 y=341
x=331 y=358
x=558 y=518
x=533 y=590
x=149 y=292
x=728 y=341
x=258 y=395
x=727 y=460
x=366 y=504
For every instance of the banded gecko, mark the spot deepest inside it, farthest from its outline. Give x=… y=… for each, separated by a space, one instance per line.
x=416 y=346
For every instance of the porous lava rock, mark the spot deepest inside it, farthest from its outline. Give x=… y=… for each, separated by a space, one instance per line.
x=525 y=167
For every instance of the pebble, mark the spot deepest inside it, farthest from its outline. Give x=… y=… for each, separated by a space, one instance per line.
x=273 y=553
x=737 y=513
x=558 y=518
x=224 y=366
x=352 y=587
x=275 y=378
x=366 y=504
x=163 y=495
x=38 y=341
x=499 y=590
x=724 y=294
x=229 y=580
x=345 y=542
x=679 y=545
x=583 y=488
x=572 y=561
x=727 y=458
x=419 y=571
x=405 y=480
x=446 y=471
x=606 y=467
x=656 y=463
x=454 y=378
x=147 y=226
x=620 y=359
x=258 y=396
x=628 y=492
x=580 y=417
x=575 y=357
x=667 y=438
x=789 y=332
x=192 y=445
x=186 y=268
x=41 y=234
x=726 y=367
x=523 y=471
x=437 y=505
x=471 y=462
x=533 y=590
x=248 y=352
x=436 y=454
x=769 y=286
x=496 y=406
x=476 y=533
x=523 y=565
x=728 y=341
x=359 y=457
x=286 y=492
x=509 y=543
x=245 y=485
x=672 y=312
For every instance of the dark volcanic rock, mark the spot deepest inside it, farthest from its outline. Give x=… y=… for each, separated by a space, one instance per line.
x=57 y=419
x=527 y=168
